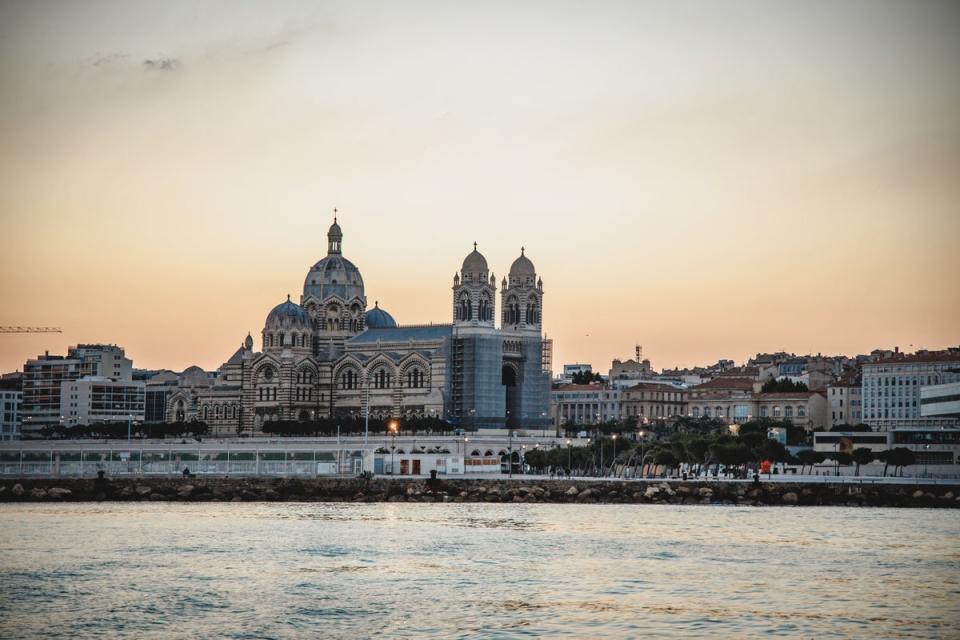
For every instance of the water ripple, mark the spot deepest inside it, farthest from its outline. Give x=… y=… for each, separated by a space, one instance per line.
x=475 y=570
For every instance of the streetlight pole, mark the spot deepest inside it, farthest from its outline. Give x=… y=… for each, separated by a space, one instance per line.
x=569 y=456
x=393 y=446
x=129 y=427
x=643 y=473
x=614 y=461
x=510 y=454
x=366 y=420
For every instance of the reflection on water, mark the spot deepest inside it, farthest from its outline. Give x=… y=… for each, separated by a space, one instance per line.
x=458 y=570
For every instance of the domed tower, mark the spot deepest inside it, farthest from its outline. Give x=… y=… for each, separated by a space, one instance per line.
x=288 y=327
x=333 y=295
x=474 y=293
x=522 y=297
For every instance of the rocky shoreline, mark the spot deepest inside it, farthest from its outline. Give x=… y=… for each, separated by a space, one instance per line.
x=485 y=490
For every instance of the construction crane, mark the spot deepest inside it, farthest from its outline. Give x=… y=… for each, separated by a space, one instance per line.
x=30 y=330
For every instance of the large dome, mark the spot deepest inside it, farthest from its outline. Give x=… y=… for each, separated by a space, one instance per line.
x=377 y=318
x=474 y=262
x=288 y=312
x=522 y=267
x=334 y=275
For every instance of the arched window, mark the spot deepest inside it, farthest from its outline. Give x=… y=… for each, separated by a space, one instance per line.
x=801 y=412
x=696 y=412
x=415 y=378
x=776 y=412
x=788 y=412
x=349 y=379
x=381 y=379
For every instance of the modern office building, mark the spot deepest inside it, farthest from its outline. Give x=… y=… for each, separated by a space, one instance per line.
x=10 y=396
x=97 y=399
x=940 y=400
x=43 y=379
x=891 y=388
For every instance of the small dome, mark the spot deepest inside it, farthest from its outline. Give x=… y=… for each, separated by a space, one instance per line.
x=377 y=318
x=475 y=262
x=522 y=267
x=288 y=311
x=335 y=229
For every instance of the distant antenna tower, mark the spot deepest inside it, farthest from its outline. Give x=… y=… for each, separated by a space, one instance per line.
x=639 y=350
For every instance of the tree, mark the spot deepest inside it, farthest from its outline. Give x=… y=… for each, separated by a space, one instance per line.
x=783 y=385
x=772 y=450
x=537 y=459
x=585 y=377
x=698 y=451
x=899 y=457
x=851 y=428
x=841 y=458
x=809 y=457
x=861 y=456
x=665 y=458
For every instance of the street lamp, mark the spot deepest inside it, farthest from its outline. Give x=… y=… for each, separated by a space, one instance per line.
x=393 y=444
x=643 y=473
x=569 y=456
x=366 y=420
x=614 y=461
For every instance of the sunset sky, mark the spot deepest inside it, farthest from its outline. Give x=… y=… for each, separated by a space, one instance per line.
x=709 y=179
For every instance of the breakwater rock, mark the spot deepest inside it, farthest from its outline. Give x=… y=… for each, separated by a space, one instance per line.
x=476 y=490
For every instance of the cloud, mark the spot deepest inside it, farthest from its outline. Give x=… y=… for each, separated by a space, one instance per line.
x=108 y=59
x=161 y=64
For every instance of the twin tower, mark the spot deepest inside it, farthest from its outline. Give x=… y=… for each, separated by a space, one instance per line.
x=474 y=295
x=497 y=376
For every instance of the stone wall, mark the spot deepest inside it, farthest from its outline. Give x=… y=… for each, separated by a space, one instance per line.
x=517 y=490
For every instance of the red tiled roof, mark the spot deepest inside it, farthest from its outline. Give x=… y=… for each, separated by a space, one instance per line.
x=722 y=382
x=653 y=386
x=933 y=356
x=784 y=395
x=580 y=387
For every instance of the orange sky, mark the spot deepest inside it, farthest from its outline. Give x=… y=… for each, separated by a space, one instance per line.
x=707 y=179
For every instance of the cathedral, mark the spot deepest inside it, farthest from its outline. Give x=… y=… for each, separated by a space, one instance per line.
x=331 y=356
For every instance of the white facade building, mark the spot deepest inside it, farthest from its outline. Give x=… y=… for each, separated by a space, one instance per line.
x=96 y=399
x=891 y=388
x=940 y=400
x=43 y=378
x=9 y=414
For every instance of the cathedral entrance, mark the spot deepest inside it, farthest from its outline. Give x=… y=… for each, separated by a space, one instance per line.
x=508 y=378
